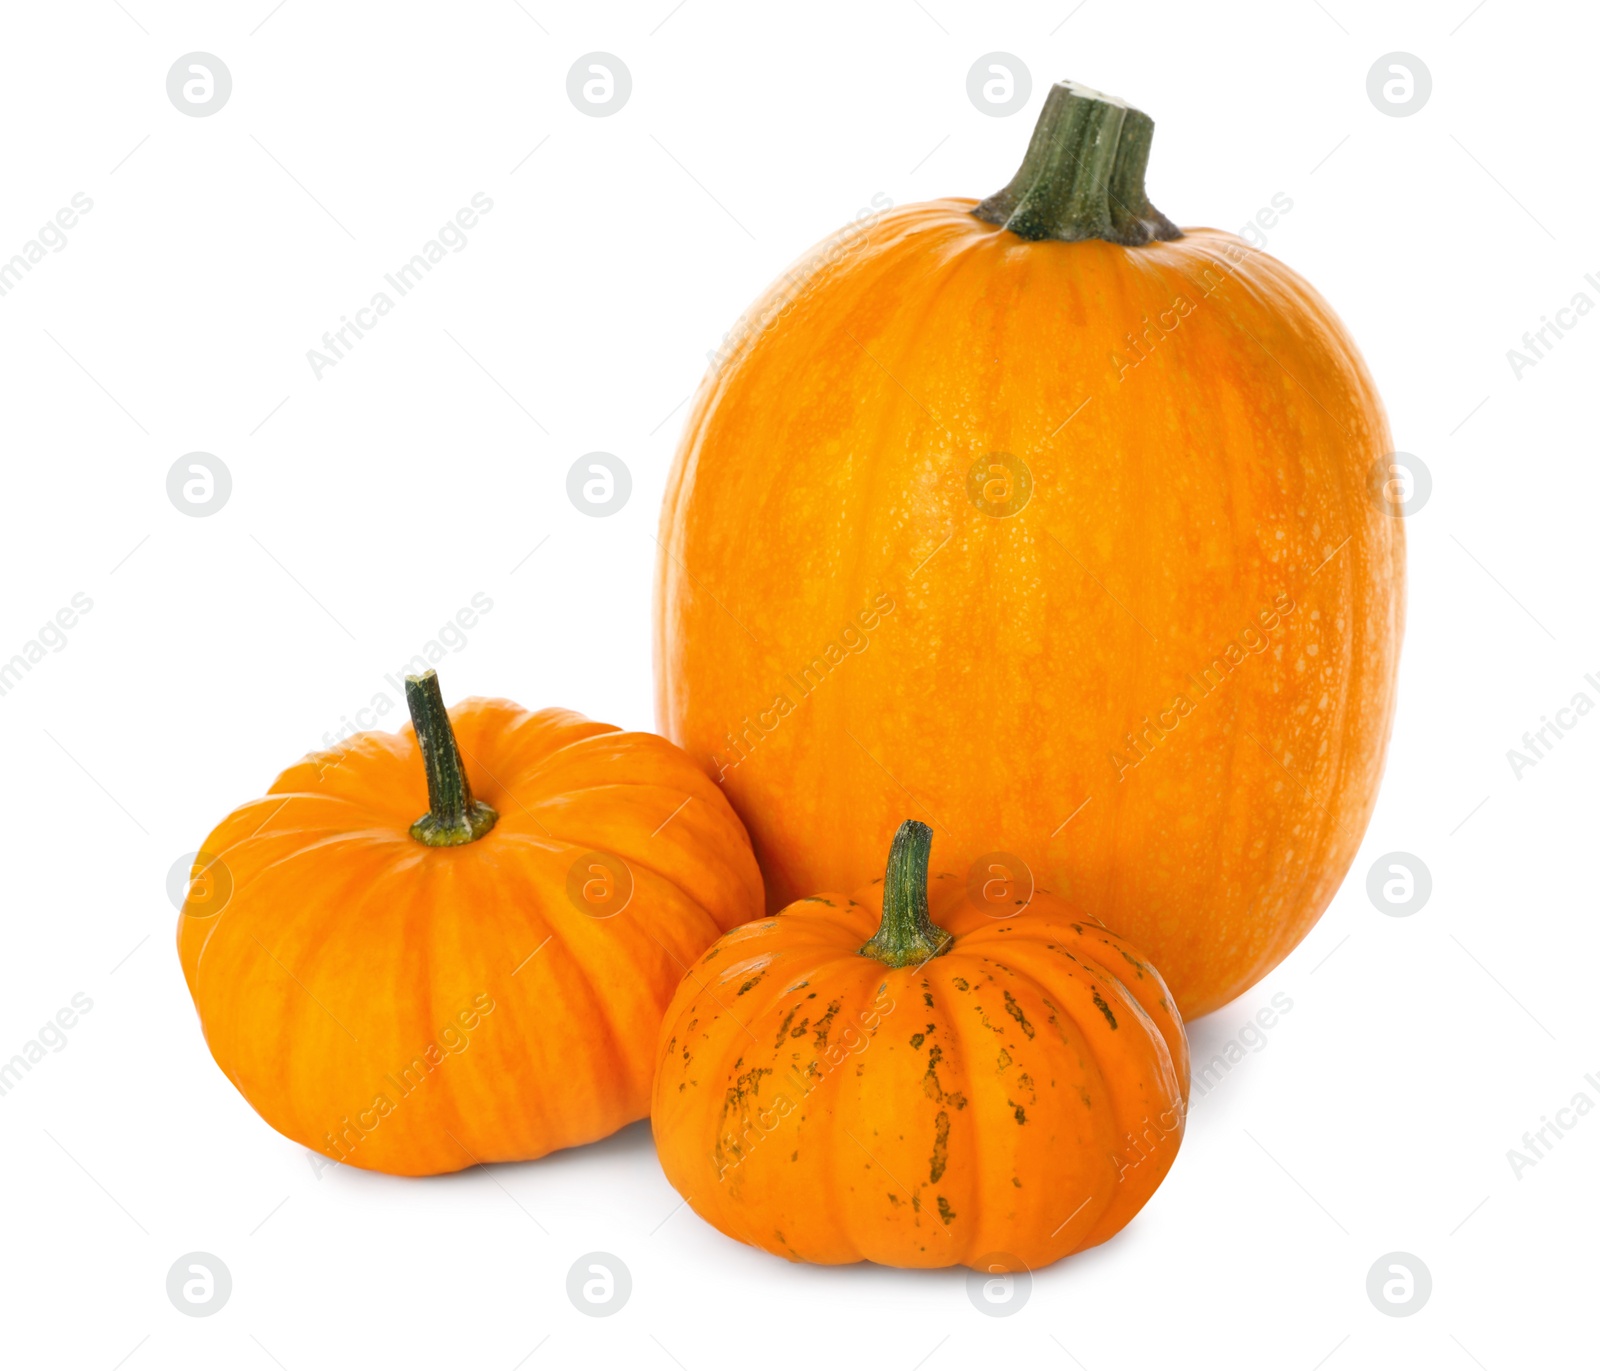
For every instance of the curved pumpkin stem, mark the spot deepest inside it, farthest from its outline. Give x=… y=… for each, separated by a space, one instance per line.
x=1083 y=175
x=453 y=816
x=908 y=935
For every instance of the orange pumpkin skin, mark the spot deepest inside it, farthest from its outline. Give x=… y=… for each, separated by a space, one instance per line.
x=416 y=1010
x=1166 y=682
x=1011 y=1101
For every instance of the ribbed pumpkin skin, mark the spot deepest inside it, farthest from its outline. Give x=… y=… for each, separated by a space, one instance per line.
x=818 y=1104
x=827 y=464
x=349 y=952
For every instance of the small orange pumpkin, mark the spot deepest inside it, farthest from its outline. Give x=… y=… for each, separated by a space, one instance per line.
x=993 y=1088
x=482 y=984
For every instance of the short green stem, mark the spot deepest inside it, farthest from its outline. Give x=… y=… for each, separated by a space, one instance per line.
x=907 y=936
x=453 y=816
x=1083 y=175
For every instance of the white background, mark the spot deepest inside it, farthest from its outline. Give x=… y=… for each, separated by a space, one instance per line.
x=429 y=464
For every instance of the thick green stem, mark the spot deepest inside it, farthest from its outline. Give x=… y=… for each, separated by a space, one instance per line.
x=1083 y=176
x=453 y=816
x=907 y=936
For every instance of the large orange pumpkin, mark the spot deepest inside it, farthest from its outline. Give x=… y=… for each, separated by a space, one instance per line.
x=1060 y=526
x=968 y=1085
x=483 y=983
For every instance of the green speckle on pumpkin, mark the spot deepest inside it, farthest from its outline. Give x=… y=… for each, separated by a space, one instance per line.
x=941 y=1146
x=1015 y=1010
x=783 y=1028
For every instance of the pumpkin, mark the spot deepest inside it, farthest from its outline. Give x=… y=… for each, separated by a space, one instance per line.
x=1055 y=527
x=918 y=1077
x=483 y=982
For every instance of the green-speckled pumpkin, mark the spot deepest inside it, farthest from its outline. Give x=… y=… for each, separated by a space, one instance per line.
x=952 y=1083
